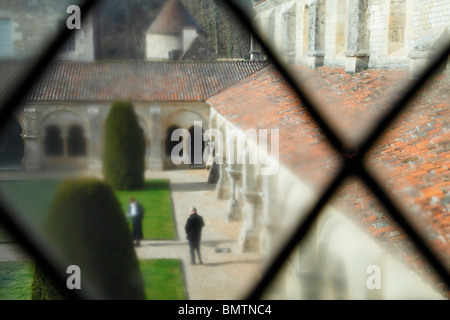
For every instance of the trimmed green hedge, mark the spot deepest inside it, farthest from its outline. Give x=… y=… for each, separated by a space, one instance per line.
x=86 y=222
x=124 y=148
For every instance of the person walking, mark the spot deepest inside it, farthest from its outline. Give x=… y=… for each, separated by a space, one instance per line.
x=136 y=212
x=193 y=228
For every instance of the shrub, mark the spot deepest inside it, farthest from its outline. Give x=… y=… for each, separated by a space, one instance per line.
x=44 y=287
x=124 y=148
x=87 y=223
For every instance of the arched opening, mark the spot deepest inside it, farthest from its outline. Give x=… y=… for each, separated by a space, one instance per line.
x=53 y=142
x=11 y=146
x=76 y=142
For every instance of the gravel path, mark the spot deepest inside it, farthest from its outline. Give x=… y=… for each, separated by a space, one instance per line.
x=226 y=275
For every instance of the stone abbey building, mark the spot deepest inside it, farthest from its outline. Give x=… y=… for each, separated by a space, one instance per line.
x=353 y=56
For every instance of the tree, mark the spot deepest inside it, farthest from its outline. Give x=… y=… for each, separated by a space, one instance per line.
x=87 y=225
x=124 y=148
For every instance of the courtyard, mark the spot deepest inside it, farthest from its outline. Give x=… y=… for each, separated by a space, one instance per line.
x=227 y=273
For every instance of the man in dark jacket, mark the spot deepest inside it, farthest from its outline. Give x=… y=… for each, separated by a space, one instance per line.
x=193 y=228
x=136 y=212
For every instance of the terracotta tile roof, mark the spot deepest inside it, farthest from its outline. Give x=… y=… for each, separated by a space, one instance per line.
x=172 y=19
x=136 y=80
x=412 y=160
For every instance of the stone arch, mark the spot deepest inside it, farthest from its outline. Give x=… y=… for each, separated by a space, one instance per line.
x=12 y=147
x=344 y=252
x=331 y=268
x=61 y=117
x=63 y=138
x=184 y=119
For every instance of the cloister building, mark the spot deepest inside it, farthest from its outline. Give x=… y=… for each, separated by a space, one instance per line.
x=358 y=54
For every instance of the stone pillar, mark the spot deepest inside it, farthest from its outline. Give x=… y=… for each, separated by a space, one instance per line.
x=223 y=184
x=250 y=234
x=212 y=166
x=270 y=216
x=316 y=35
x=32 y=156
x=155 y=159
x=95 y=143
x=255 y=50
x=357 y=54
x=234 y=209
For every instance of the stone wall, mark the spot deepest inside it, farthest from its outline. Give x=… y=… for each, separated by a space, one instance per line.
x=355 y=34
x=34 y=23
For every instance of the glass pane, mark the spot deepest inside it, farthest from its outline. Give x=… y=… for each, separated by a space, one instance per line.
x=355 y=250
x=411 y=161
x=352 y=57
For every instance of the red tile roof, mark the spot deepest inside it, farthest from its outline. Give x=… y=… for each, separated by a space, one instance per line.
x=172 y=19
x=135 y=80
x=412 y=160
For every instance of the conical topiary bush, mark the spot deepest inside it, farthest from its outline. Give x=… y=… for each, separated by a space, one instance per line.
x=124 y=148
x=87 y=223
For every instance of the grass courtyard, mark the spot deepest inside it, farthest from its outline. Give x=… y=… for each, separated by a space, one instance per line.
x=163 y=278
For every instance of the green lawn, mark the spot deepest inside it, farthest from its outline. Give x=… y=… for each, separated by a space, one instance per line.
x=33 y=197
x=16 y=279
x=163 y=279
x=158 y=220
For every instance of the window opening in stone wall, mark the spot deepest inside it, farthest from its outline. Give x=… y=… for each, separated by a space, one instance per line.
x=76 y=142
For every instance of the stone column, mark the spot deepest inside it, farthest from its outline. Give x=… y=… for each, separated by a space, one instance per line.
x=95 y=143
x=270 y=217
x=223 y=184
x=32 y=156
x=255 y=50
x=316 y=35
x=155 y=159
x=357 y=54
x=251 y=230
x=212 y=166
x=234 y=210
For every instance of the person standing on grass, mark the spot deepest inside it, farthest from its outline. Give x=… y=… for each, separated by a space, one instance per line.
x=136 y=212
x=193 y=228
